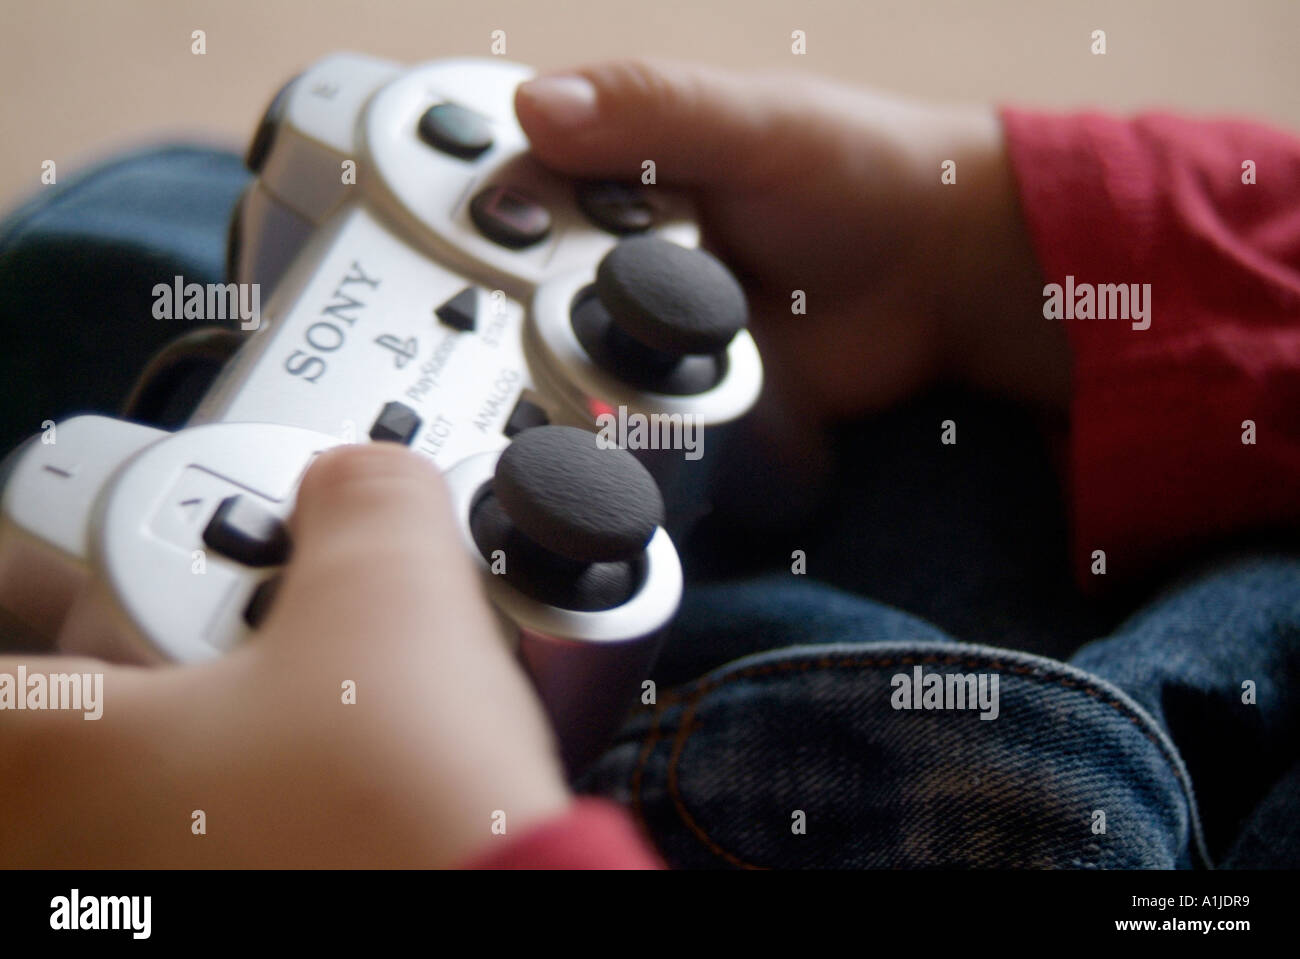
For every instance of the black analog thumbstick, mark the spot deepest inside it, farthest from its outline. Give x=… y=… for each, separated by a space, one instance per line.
x=670 y=299
x=575 y=499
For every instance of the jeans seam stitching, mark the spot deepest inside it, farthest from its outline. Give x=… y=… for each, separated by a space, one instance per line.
x=689 y=725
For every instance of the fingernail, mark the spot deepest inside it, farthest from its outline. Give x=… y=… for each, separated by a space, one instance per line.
x=567 y=101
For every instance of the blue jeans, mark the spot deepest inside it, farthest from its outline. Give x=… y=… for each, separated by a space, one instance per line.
x=844 y=716
x=1137 y=753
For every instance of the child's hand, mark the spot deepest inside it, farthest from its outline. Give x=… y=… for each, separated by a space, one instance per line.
x=445 y=729
x=807 y=185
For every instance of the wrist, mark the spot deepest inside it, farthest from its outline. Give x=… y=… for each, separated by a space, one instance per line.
x=994 y=335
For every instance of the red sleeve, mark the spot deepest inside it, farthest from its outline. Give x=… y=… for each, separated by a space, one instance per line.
x=1158 y=465
x=592 y=834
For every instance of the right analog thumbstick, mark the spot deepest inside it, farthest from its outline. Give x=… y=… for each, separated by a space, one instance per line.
x=669 y=298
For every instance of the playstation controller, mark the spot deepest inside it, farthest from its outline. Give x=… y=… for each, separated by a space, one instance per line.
x=427 y=282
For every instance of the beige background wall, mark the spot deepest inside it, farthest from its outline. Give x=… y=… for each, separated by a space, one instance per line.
x=82 y=77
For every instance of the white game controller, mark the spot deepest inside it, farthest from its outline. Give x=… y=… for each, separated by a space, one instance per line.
x=430 y=284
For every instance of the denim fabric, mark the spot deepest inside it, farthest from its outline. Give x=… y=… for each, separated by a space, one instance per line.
x=719 y=766
x=774 y=692
x=1186 y=657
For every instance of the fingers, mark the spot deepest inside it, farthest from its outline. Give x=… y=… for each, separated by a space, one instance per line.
x=700 y=126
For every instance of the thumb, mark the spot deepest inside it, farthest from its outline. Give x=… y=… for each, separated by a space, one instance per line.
x=378 y=566
x=701 y=126
x=381 y=593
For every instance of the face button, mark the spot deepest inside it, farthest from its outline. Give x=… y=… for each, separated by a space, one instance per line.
x=508 y=217
x=616 y=207
x=461 y=311
x=396 y=423
x=455 y=130
x=247 y=533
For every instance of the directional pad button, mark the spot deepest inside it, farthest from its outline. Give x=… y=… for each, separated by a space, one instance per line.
x=247 y=533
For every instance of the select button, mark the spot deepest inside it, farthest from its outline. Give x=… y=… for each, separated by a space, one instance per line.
x=396 y=423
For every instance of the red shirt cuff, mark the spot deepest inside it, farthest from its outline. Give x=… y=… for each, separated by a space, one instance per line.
x=1157 y=460
x=591 y=834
